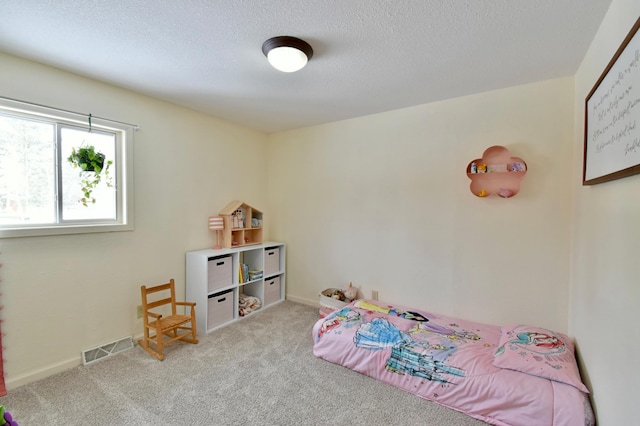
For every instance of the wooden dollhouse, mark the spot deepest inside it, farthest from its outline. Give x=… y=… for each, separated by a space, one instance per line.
x=242 y=224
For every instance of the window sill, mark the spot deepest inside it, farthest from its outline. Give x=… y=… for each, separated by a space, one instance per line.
x=39 y=231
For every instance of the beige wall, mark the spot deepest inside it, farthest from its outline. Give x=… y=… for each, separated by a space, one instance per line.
x=384 y=201
x=605 y=290
x=64 y=294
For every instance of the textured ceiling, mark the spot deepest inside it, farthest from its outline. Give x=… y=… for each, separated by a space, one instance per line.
x=369 y=55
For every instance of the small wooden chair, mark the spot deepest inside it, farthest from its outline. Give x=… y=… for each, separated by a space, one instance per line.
x=157 y=326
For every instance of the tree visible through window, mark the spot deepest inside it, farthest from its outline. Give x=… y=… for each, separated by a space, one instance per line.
x=27 y=171
x=39 y=187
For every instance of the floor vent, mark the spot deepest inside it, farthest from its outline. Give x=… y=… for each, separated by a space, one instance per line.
x=101 y=352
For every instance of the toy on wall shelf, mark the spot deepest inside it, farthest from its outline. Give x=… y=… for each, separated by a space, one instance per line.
x=517 y=167
x=505 y=193
x=497 y=172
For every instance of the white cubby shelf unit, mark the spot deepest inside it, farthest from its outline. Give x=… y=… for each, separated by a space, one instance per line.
x=214 y=281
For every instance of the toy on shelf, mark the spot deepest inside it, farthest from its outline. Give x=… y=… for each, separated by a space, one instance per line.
x=238 y=218
x=497 y=172
x=248 y=304
x=216 y=223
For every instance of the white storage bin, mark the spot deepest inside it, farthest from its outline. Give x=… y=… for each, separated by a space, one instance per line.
x=220 y=308
x=330 y=302
x=271 y=261
x=272 y=290
x=219 y=273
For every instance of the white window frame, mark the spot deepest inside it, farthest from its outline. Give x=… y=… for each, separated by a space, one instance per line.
x=124 y=173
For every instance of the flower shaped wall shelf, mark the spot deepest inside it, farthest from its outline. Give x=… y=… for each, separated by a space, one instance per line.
x=497 y=172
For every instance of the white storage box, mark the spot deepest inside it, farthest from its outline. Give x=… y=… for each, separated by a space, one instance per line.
x=220 y=308
x=272 y=290
x=330 y=302
x=271 y=261
x=219 y=273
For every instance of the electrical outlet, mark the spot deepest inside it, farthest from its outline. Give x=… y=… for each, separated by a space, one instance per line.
x=139 y=311
x=374 y=294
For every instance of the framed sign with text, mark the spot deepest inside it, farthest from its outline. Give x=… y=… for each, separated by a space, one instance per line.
x=612 y=117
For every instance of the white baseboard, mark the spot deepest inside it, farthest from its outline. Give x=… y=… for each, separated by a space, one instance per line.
x=14 y=382
x=304 y=301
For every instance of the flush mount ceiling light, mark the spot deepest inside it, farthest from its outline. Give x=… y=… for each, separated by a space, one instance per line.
x=287 y=54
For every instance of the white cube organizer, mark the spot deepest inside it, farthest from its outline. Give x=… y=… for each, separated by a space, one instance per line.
x=220 y=308
x=219 y=273
x=271 y=261
x=213 y=272
x=271 y=290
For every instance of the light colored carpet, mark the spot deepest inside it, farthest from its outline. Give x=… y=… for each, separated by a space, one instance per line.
x=257 y=371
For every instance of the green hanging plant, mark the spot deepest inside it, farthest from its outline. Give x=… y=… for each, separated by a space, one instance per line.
x=92 y=168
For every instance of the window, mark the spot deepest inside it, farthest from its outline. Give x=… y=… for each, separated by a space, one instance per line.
x=42 y=193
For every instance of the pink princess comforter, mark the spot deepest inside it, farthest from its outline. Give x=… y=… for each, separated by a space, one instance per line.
x=513 y=375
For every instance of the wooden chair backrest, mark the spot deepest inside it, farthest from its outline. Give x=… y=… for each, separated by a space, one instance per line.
x=150 y=302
